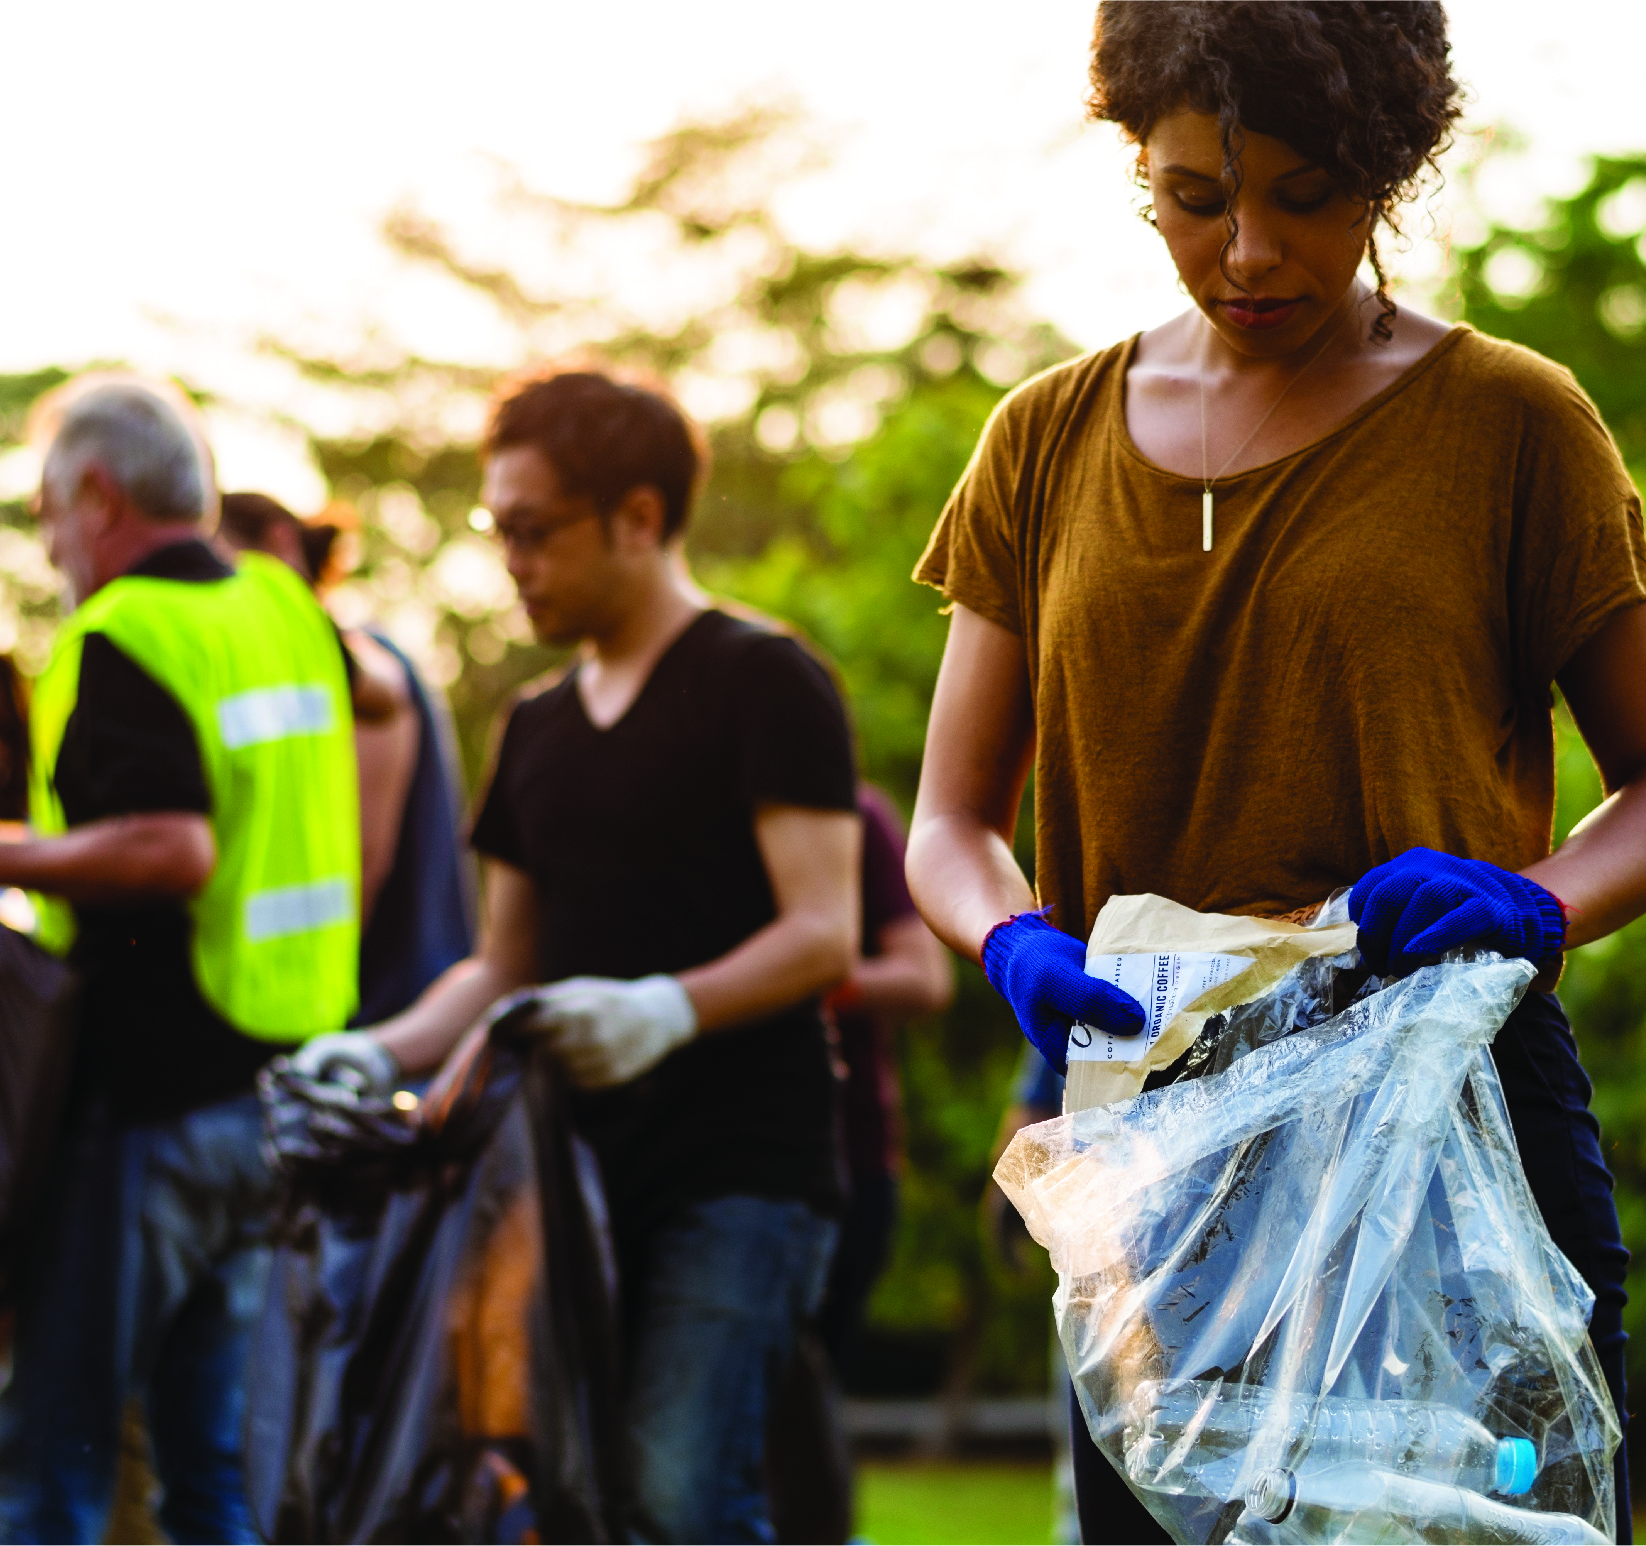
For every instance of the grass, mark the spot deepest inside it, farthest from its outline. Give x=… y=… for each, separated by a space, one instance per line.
x=953 y=1501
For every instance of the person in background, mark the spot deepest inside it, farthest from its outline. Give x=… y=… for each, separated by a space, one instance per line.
x=16 y=912
x=416 y=903
x=901 y=973
x=14 y=743
x=671 y=842
x=1037 y=1096
x=194 y=848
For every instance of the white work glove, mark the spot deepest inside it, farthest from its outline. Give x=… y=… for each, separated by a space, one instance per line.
x=352 y=1060
x=607 y=1031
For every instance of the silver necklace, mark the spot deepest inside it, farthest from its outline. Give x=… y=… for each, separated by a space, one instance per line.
x=1208 y=479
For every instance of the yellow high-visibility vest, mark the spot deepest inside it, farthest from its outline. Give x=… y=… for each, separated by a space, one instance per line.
x=254 y=663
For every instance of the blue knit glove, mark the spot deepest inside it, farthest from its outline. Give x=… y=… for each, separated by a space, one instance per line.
x=1041 y=972
x=1424 y=903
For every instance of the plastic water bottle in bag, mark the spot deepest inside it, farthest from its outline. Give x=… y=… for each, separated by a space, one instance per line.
x=1202 y=1429
x=1311 y=1244
x=1368 y=1503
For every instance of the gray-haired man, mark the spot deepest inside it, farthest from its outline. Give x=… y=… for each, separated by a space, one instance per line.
x=195 y=840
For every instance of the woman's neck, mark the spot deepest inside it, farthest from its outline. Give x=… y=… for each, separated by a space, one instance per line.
x=1251 y=415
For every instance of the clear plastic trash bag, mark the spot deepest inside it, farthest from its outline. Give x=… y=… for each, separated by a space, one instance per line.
x=1304 y=1291
x=437 y=1355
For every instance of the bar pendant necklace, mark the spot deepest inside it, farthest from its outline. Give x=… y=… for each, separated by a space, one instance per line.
x=1209 y=478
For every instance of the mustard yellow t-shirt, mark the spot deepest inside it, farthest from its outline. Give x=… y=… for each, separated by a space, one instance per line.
x=1362 y=663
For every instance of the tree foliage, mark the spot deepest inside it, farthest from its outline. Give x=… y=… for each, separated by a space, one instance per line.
x=28 y=584
x=843 y=392
x=1574 y=289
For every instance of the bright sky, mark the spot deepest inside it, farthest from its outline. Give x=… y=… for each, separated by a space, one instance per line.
x=189 y=176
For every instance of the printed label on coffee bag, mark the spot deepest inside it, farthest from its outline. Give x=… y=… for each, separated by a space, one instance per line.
x=1164 y=985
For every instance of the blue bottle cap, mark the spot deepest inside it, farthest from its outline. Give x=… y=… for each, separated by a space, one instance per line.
x=1516 y=1466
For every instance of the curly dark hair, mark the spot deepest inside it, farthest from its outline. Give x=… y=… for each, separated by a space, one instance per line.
x=1362 y=87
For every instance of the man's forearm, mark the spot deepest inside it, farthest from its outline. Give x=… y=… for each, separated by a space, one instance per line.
x=890 y=985
x=165 y=854
x=911 y=976
x=420 y=1037
x=798 y=955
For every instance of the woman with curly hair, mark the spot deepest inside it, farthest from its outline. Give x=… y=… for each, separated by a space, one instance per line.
x=1272 y=596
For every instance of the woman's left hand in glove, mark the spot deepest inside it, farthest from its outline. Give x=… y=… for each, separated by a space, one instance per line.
x=1425 y=903
x=607 y=1031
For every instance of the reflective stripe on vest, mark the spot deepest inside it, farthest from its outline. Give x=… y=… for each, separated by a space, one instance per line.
x=297 y=909
x=270 y=713
x=256 y=666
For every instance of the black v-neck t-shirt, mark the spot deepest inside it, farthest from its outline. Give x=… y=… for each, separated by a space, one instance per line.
x=639 y=839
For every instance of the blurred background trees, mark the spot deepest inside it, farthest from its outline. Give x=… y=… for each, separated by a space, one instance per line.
x=1573 y=287
x=843 y=392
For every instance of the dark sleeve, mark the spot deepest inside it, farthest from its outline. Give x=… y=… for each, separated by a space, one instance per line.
x=495 y=832
x=794 y=746
x=128 y=745
x=885 y=892
x=351 y=667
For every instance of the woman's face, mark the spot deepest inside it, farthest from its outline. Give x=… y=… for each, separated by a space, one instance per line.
x=1300 y=237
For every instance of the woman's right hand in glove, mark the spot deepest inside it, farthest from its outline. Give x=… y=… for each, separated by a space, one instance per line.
x=1041 y=972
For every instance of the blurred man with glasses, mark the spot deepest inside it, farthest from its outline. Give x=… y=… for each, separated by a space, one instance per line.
x=670 y=838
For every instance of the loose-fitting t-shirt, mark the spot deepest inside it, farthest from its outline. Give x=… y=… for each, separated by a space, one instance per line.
x=639 y=840
x=1361 y=664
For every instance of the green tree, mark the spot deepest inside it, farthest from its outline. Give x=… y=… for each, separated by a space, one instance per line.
x=844 y=392
x=1574 y=288
x=28 y=584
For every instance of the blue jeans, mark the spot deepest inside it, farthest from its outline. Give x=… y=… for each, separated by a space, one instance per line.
x=721 y=1290
x=146 y=1277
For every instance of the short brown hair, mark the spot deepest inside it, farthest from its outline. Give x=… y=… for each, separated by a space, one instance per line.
x=603 y=436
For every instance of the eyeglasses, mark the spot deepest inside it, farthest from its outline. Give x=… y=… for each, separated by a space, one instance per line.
x=529 y=533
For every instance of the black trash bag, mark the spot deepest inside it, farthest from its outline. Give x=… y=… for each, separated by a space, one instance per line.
x=39 y=997
x=437 y=1359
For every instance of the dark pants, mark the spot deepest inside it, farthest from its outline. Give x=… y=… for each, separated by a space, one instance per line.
x=865 y=1245
x=808 y=1458
x=145 y=1279
x=716 y=1302
x=1547 y=1093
